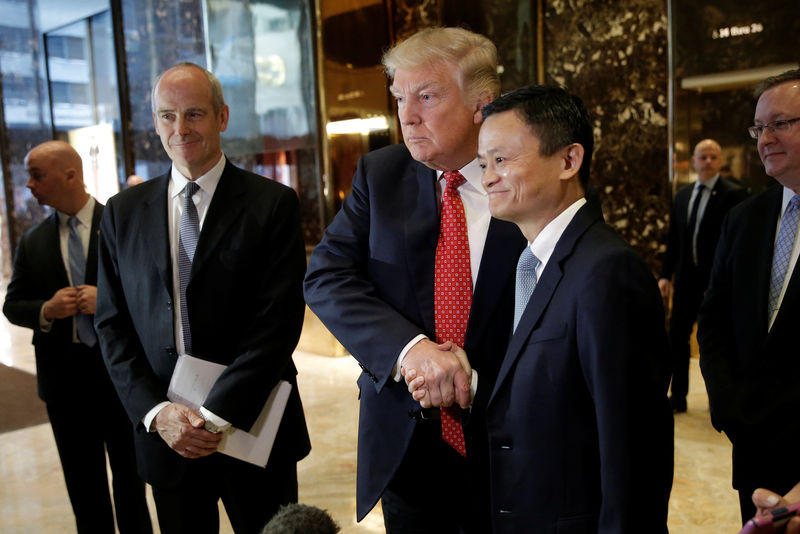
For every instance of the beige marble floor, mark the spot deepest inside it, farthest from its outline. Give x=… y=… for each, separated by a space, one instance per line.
x=33 y=497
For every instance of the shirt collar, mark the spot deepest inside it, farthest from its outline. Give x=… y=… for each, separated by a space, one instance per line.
x=787 y=196
x=208 y=182
x=708 y=184
x=545 y=243
x=472 y=174
x=84 y=214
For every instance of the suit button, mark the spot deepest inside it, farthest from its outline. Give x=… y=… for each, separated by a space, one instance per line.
x=169 y=304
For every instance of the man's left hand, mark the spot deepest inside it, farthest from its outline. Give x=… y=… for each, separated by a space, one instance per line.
x=87 y=299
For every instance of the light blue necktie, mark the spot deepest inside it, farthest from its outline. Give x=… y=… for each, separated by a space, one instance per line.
x=77 y=270
x=783 y=252
x=189 y=232
x=526 y=282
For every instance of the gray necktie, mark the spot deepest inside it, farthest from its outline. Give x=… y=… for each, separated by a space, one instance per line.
x=189 y=232
x=77 y=270
x=783 y=252
x=526 y=282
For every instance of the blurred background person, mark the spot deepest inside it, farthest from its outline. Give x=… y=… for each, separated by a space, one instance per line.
x=53 y=292
x=695 y=221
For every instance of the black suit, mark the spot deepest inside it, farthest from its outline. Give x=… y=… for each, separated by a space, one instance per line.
x=73 y=382
x=579 y=424
x=691 y=280
x=751 y=373
x=245 y=308
x=371 y=281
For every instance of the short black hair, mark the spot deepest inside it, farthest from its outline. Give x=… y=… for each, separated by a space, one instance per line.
x=298 y=518
x=768 y=83
x=555 y=116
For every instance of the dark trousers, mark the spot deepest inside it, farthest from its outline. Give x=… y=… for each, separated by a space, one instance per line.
x=82 y=445
x=686 y=301
x=436 y=490
x=251 y=496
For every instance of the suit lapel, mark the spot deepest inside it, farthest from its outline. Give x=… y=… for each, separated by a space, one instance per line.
x=419 y=201
x=155 y=229
x=763 y=258
x=504 y=243
x=553 y=272
x=220 y=216
x=91 y=256
x=52 y=249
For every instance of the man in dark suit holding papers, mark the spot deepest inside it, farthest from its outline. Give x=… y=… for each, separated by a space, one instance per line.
x=207 y=260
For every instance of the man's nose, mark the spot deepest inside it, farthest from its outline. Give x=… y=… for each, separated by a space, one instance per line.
x=408 y=113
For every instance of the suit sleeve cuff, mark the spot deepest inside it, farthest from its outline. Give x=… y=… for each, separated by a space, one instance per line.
x=44 y=324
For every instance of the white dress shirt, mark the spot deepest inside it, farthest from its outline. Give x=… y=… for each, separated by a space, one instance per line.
x=545 y=243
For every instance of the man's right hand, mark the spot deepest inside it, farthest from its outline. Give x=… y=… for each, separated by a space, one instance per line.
x=665 y=286
x=61 y=305
x=766 y=500
x=182 y=429
x=441 y=374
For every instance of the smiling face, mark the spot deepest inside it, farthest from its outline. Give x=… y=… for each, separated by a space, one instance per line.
x=185 y=120
x=525 y=187
x=780 y=151
x=440 y=122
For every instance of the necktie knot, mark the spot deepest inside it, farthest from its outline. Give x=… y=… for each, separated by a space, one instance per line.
x=190 y=189
x=527 y=261
x=72 y=222
x=454 y=179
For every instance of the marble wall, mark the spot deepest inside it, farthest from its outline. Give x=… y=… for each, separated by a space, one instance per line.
x=614 y=56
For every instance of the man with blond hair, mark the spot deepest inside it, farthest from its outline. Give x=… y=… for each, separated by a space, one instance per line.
x=53 y=292
x=416 y=224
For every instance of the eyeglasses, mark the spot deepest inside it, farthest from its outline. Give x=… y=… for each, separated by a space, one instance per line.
x=775 y=126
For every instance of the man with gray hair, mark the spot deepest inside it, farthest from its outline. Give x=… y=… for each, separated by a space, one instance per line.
x=412 y=266
x=205 y=260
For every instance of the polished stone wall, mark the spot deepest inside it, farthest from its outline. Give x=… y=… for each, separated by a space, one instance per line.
x=614 y=56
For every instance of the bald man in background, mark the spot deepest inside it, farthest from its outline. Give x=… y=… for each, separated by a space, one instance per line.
x=53 y=292
x=695 y=222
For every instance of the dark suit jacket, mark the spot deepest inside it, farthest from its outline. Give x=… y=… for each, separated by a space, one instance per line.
x=678 y=256
x=244 y=299
x=371 y=280
x=580 y=428
x=38 y=273
x=751 y=374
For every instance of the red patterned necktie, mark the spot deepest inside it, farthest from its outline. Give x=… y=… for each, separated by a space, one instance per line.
x=452 y=291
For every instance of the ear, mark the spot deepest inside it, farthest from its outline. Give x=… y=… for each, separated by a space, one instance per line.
x=483 y=99
x=223 y=116
x=155 y=122
x=571 y=161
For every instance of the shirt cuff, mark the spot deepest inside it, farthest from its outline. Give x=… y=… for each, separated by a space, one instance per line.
x=151 y=415
x=396 y=369
x=44 y=324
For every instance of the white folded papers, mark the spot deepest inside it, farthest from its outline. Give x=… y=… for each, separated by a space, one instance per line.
x=191 y=382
